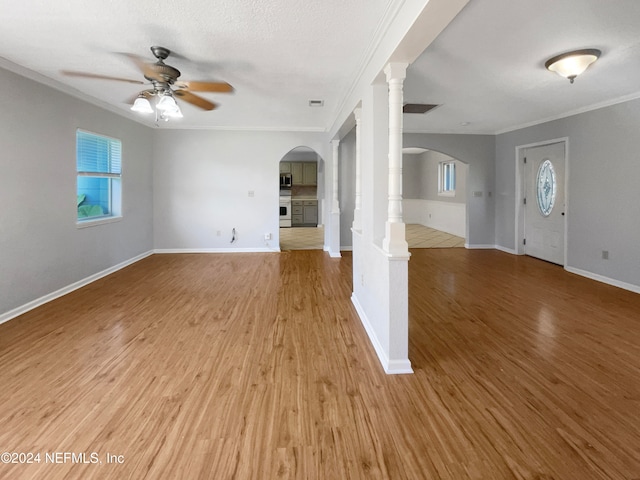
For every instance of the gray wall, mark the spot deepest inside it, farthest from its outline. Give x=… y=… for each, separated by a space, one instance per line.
x=420 y=177
x=477 y=151
x=347 y=186
x=603 y=192
x=41 y=249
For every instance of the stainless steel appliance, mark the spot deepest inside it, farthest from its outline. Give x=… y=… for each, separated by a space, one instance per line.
x=285 y=181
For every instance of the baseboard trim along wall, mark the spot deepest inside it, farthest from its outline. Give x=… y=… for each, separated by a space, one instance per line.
x=479 y=247
x=5 y=317
x=390 y=367
x=216 y=250
x=584 y=273
x=601 y=278
x=506 y=250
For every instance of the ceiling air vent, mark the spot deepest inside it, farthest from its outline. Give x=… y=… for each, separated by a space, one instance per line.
x=316 y=103
x=417 y=107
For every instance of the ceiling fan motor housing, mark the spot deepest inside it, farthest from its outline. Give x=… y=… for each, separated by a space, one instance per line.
x=163 y=73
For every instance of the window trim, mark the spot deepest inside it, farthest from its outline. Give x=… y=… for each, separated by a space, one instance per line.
x=442 y=166
x=115 y=201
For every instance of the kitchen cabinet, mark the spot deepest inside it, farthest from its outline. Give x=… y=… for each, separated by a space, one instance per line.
x=304 y=213
x=310 y=213
x=297 y=173
x=309 y=173
x=285 y=167
x=302 y=173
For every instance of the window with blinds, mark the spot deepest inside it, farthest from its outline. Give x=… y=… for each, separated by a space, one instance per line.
x=447 y=178
x=99 y=174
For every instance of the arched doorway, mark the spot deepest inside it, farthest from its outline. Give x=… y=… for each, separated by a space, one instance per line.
x=434 y=199
x=301 y=200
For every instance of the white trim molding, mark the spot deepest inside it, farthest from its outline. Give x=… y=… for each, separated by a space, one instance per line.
x=479 y=246
x=5 y=317
x=391 y=367
x=216 y=250
x=601 y=278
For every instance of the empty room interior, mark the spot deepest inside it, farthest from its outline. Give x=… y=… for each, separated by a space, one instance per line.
x=449 y=288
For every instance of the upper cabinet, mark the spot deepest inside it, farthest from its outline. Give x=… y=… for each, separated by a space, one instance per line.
x=285 y=167
x=297 y=173
x=310 y=173
x=302 y=173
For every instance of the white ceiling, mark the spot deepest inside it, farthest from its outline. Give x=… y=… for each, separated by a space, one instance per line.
x=277 y=54
x=486 y=68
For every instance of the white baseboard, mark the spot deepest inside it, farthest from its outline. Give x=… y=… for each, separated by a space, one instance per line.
x=479 y=247
x=506 y=250
x=601 y=278
x=216 y=250
x=5 y=317
x=346 y=249
x=391 y=367
x=583 y=273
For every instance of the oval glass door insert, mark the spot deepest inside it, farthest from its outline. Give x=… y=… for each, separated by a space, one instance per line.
x=546 y=187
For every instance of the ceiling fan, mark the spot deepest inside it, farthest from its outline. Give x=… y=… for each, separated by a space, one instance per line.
x=164 y=86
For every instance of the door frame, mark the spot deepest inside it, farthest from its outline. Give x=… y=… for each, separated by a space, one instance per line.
x=520 y=189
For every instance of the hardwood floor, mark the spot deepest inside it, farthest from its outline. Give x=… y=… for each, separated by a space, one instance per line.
x=256 y=366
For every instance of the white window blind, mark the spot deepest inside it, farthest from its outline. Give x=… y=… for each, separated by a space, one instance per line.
x=98 y=156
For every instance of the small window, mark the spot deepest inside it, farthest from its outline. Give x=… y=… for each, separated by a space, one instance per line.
x=447 y=178
x=99 y=172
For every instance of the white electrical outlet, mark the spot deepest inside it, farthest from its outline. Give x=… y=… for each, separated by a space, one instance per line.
x=218 y=233
x=251 y=193
x=267 y=236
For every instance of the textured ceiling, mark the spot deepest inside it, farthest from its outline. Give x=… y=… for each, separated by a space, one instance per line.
x=277 y=54
x=486 y=69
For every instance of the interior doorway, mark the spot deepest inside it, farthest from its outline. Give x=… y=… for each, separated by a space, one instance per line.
x=301 y=187
x=434 y=189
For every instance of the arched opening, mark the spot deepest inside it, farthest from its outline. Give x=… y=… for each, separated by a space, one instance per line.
x=435 y=199
x=301 y=200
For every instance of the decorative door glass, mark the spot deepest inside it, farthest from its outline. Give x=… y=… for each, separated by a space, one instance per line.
x=546 y=187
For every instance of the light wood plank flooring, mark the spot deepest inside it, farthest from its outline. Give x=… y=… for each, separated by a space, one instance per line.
x=418 y=236
x=302 y=238
x=255 y=366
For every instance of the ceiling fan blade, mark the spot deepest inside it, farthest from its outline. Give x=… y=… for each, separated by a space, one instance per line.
x=221 y=87
x=70 y=73
x=195 y=100
x=147 y=69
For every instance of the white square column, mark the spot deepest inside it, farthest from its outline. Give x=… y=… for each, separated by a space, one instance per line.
x=380 y=251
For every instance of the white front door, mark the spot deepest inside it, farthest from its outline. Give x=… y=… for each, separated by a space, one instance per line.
x=545 y=202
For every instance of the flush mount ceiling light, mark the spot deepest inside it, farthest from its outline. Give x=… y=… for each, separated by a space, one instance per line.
x=572 y=64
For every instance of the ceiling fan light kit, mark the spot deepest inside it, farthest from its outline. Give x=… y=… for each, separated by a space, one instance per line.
x=142 y=105
x=572 y=64
x=164 y=87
